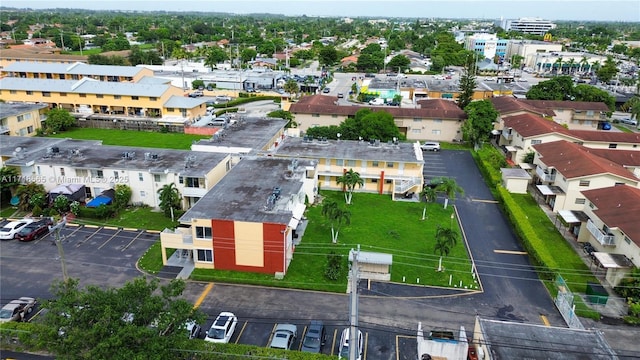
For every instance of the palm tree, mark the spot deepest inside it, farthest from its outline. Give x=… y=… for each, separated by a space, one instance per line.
x=559 y=62
x=336 y=217
x=170 y=199
x=571 y=62
x=30 y=195
x=449 y=187
x=584 y=63
x=430 y=194
x=291 y=86
x=349 y=180
x=445 y=240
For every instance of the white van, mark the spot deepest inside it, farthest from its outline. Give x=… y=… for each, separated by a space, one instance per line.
x=376 y=101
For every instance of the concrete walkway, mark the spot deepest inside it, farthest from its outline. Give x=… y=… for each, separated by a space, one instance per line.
x=185 y=262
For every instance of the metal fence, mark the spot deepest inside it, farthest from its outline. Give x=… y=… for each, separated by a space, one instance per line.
x=564 y=303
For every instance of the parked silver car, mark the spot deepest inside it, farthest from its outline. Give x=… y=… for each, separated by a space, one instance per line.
x=284 y=336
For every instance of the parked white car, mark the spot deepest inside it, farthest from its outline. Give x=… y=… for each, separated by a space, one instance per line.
x=222 y=328
x=10 y=230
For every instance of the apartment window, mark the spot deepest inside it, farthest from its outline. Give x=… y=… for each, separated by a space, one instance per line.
x=27 y=116
x=437 y=120
x=61 y=76
x=140 y=176
x=389 y=164
x=181 y=180
x=417 y=120
x=334 y=116
x=388 y=181
x=61 y=171
x=99 y=174
x=83 y=95
x=564 y=179
x=82 y=172
x=63 y=94
x=29 y=129
x=613 y=146
x=627 y=240
x=156 y=177
x=416 y=131
x=169 y=109
x=117 y=97
x=22 y=132
x=436 y=132
x=618 y=184
x=205 y=255
x=99 y=96
x=374 y=180
x=134 y=98
x=339 y=162
x=115 y=175
x=584 y=182
x=375 y=164
x=142 y=193
x=591 y=205
x=203 y=232
x=153 y=98
x=46 y=94
x=20 y=118
x=29 y=92
x=315 y=115
x=580 y=200
x=590 y=112
x=12 y=92
x=536 y=142
x=351 y=163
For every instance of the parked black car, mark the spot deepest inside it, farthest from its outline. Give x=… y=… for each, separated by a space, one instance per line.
x=315 y=337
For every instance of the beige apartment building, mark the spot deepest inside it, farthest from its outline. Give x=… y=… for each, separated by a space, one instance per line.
x=21 y=119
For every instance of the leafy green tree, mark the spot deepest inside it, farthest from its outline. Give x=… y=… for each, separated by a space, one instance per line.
x=148 y=57
x=122 y=196
x=61 y=204
x=584 y=92
x=479 y=124
x=334 y=267
x=350 y=180
x=248 y=54
x=608 y=71
x=467 y=82
x=558 y=88
x=336 y=216
x=328 y=55
x=214 y=56
x=291 y=86
x=26 y=191
x=141 y=320
x=170 y=199
x=9 y=181
x=58 y=120
x=437 y=63
x=633 y=106
x=99 y=59
x=282 y=114
x=399 y=62
x=449 y=187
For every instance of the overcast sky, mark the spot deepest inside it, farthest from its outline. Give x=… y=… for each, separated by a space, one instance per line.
x=603 y=10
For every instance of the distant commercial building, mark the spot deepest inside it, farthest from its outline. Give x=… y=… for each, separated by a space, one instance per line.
x=534 y=26
x=487 y=45
x=530 y=49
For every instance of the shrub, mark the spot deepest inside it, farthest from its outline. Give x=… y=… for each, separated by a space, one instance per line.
x=37 y=211
x=334 y=266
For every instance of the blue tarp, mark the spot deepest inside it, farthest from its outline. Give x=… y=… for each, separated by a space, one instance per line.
x=99 y=200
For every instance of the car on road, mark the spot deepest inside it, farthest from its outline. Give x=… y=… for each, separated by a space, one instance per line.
x=222 y=328
x=340 y=95
x=376 y=101
x=10 y=230
x=343 y=352
x=314 y=338
x=629 y=121
x=326 y=90
x=16 y=310
x=393 y=103
x=369 y=75
x=284 y=336
x=34 y=230
x=196 y=94
x=430 y=146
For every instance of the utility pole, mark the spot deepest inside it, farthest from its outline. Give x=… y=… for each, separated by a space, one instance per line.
x=354 y=347
x=58 y=242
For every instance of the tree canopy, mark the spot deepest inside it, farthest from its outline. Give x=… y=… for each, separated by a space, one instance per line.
x=58 y=120
x=563 y=88
x=366 y=124
x=479 y=124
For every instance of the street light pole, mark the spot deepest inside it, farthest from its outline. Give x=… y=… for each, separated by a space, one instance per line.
x=58 y=242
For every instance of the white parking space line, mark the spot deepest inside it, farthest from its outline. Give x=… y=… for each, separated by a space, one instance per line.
x=88 y=237
x=109 y=239
x=132 y=240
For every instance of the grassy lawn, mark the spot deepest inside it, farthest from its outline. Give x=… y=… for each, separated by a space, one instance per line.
x=133 y=138
x=623 y=128
x=378 y=225
x=558 y=254
x=136 y=218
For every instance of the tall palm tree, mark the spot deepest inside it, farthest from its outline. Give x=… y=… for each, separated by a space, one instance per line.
x=584 y=63
x=446 y=238
x=336 y=217
x=449 y=187
x=559 y=62
x=430 y=194
x=571 y=62
x=349 y=180
x=170 y=199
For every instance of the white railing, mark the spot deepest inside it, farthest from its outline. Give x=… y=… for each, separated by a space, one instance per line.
x=602 y=238
x=405 y=184
x=507 y=133
x=545 y=176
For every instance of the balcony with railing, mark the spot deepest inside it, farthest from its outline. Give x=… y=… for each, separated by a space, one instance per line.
x=545 y=175
x=403 y=185
x=507 y=133
x=176 y=238
x=598 y=234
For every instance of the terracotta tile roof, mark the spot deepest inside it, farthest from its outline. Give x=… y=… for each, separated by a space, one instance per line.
x=607 y=136
x=528 y=125
x=621 y=157
x=569 y=105
x=438 y=104
x=326 y=105
x=618 y=207
x=574 y=161
x=507 y=104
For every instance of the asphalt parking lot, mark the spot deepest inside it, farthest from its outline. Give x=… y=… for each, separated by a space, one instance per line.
x=95 y=255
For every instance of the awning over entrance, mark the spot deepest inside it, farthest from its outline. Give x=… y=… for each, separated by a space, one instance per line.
x=298 y=211
x=609 y=261
x=544 y=190
x=511 y=148
x=572 y=217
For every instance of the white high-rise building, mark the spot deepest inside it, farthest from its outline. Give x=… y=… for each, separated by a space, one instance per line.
x=535 y=26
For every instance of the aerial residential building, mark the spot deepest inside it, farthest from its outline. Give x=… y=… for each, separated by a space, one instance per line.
x=565 y=169
x=528 y=25
x=248 y=221
x=386 y=168
x=76 y=71
x=21 y=119
x=612 y=228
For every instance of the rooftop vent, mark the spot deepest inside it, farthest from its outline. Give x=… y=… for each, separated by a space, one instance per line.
x=128 y=155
